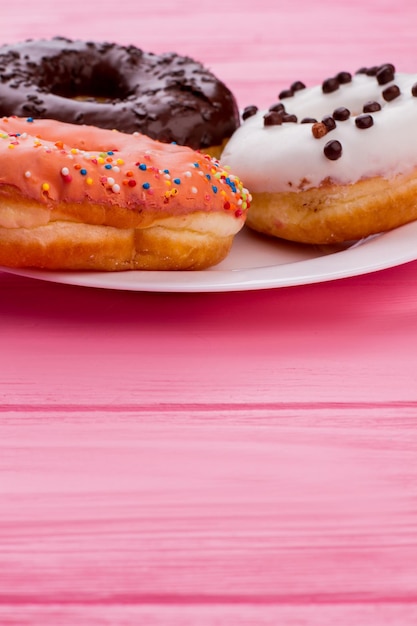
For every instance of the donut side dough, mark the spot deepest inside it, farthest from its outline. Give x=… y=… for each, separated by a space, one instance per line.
x=335 y=213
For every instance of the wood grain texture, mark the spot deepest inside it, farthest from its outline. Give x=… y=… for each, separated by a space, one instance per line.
x=239 y=459
x=264 y=509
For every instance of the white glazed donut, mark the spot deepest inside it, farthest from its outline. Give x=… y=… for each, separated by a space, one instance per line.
x=334 y=162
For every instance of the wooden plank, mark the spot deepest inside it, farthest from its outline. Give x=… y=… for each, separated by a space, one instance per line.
x=350 y=340
x=265 y=508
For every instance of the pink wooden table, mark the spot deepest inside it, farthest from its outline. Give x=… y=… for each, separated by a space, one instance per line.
x=220 y=459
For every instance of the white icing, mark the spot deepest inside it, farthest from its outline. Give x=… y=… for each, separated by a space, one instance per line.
x=277 y=158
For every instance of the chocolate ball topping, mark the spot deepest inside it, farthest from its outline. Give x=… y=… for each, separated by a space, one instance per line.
x=329 y=122
x=391 y=92
x=278 y=107
x=333 y=150
x=344 y=77
x=385 y=74
x=371 y=107
x=287 y=117
x=286 y=93
x=272 y=118
x=297 y=86
x=414 y=90
x=364 y=121
x=308 y=120
x=341 y=114
x=249 y=111
x=329 y=85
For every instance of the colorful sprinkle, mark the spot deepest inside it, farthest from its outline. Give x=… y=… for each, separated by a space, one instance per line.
x=65 y=173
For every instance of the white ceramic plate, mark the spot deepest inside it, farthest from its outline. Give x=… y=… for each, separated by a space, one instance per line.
x=258 y=262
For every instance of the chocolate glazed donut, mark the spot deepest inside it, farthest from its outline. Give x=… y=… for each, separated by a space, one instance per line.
x=167 y=97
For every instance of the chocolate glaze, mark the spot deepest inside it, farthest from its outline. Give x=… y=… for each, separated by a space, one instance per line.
x=167 y=97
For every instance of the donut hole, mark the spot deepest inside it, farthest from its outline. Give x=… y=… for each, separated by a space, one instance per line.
x=97 y=82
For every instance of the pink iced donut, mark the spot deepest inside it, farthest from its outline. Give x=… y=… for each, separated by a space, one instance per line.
x=80 y=197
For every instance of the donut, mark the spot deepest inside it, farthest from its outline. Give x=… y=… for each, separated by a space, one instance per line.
x=167 y=97
x=334 y=162
x=76 y=197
